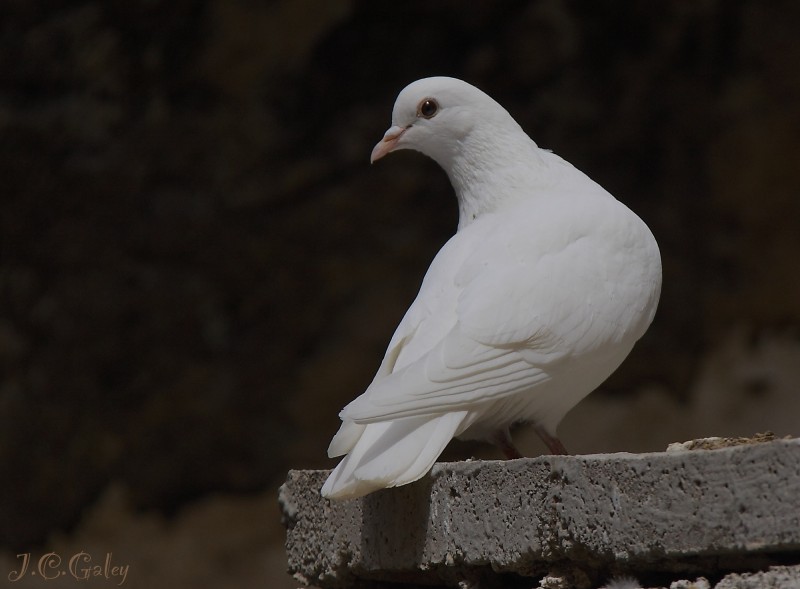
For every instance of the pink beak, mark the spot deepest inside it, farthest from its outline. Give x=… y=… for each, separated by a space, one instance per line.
x=387 y=144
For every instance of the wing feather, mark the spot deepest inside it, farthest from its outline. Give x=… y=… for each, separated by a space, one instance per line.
x=428 y=385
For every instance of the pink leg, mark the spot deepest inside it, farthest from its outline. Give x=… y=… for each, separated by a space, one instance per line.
x=552 y=442
x=502 y=439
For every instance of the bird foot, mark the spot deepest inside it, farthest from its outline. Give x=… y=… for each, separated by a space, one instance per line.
x=502 y=439
x=552 y=442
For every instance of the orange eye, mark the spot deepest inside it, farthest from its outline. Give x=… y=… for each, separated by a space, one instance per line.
x=427 y=108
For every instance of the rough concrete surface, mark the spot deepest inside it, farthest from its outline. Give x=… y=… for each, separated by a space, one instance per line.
x=704 y=511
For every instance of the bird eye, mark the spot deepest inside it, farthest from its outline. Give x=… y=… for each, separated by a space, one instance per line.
x=427 y=108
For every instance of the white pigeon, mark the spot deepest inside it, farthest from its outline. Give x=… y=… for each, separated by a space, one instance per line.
x=535 y=301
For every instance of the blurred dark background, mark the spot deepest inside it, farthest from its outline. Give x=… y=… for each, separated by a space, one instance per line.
x=200 y=268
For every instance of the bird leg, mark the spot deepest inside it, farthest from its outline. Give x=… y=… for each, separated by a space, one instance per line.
x=502 y=439
x=552 y=442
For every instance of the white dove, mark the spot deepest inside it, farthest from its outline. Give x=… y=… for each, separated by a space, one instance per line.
x=538 y=297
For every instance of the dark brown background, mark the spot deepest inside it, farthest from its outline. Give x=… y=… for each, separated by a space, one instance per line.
x=199 y=267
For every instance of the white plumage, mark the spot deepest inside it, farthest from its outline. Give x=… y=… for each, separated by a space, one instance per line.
x=535 y=301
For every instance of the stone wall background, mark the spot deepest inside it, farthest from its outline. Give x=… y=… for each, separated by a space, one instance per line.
x=200 y=268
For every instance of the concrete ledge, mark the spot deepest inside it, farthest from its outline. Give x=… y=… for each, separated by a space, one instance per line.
x=707 y=512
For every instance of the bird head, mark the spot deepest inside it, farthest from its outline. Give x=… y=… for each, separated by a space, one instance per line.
x=436 y=115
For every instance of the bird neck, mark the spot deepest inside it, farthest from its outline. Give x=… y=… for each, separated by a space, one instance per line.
x=492 y=169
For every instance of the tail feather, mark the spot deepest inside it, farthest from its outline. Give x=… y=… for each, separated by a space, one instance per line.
x=392 y=453
x=344 y=440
